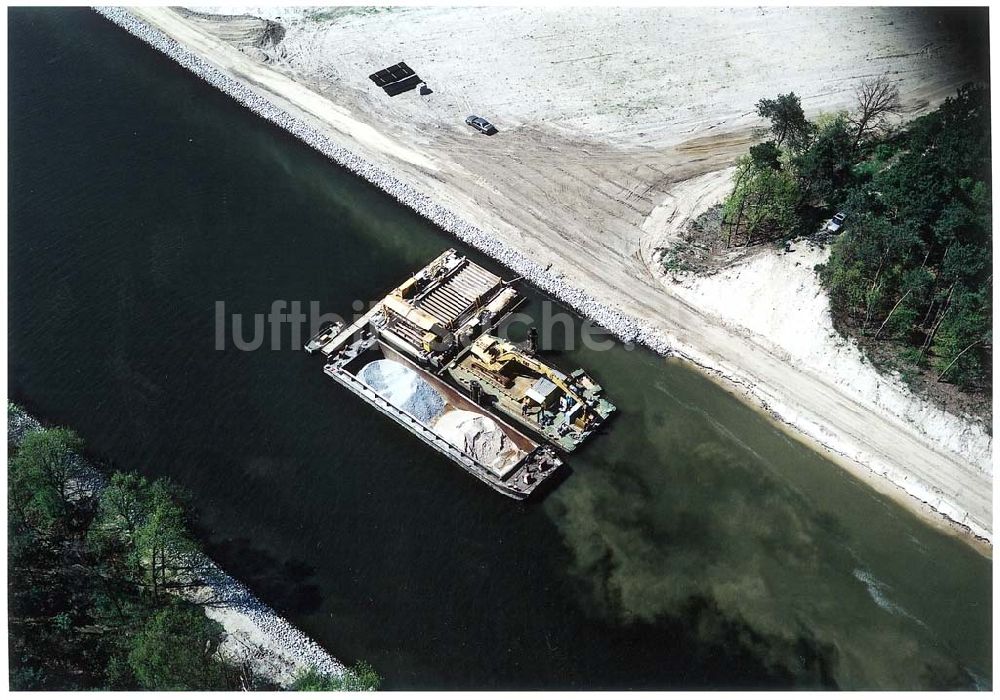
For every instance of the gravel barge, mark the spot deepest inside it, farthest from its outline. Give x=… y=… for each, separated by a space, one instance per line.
x=400 y=358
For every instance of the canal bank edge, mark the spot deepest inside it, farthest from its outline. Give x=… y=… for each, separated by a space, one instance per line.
x=872 y=479
x=276 y=649
x=623 y=326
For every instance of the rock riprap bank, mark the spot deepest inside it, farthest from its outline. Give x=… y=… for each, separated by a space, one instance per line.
x=277 y=649
x=620 y=324
x=950 y=490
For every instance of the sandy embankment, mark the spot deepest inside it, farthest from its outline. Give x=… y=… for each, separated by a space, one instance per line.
x=603 y=114
x=776 y=296
x=255 y=633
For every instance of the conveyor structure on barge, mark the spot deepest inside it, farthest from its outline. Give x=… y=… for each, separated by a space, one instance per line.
x=424 y=356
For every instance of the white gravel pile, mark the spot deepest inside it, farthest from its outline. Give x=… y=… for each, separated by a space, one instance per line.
x=404 y=389
x=277 y=649
x=479 y=436
x=623 y=326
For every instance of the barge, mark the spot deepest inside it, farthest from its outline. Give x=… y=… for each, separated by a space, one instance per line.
x=564 y=409
x=426 y=356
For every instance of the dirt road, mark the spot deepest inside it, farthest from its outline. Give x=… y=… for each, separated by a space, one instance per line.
x=602 y=116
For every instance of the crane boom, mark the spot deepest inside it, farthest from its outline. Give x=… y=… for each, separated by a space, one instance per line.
x=493 y=353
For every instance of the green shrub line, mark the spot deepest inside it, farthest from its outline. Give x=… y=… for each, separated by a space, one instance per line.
x=911 y=270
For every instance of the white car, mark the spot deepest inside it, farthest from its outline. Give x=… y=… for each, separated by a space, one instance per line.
x=836 y=222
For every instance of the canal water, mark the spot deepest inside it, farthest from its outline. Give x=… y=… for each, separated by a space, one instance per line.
x=694 y=544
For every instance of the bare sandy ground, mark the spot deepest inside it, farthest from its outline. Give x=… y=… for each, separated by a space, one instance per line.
x=776 y=296
x=605 y=117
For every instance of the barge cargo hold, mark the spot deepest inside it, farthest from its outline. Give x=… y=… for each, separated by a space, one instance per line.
x=406 y=357
x=506 y=459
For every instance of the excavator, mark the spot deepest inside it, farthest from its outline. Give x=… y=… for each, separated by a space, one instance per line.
x=493 y=356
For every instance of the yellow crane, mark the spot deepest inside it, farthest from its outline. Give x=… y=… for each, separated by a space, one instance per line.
x=493 y=354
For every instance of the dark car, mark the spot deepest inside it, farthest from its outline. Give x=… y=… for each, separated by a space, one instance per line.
x=481 y=125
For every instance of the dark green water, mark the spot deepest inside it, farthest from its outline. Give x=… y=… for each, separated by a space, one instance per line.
x=693 y=545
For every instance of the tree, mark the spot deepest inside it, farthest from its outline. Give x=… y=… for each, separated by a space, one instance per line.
x=962 y=330
x=915 y=264
x=879 y=252
x=41 y=475
x=766 y=155
x=163 y=544
x=877 y=98
x=916 y=285
x=178 y=650
x=824 y=168
x=763 y=203
x=788 y=121
x=80 y=620
x=26 y=678
x=122 y=509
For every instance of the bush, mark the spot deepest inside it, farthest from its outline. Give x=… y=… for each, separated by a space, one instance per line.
x=360 y=677
x=176 y=650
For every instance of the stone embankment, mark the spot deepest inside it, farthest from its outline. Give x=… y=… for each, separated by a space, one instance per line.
x=275 y=648
x=621 y=325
